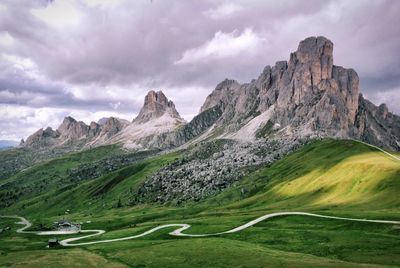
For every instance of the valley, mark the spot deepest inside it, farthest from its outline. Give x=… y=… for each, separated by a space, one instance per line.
x=292 y=169
x=267 y=190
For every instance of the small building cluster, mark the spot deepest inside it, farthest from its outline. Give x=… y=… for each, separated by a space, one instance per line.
x=67 y=226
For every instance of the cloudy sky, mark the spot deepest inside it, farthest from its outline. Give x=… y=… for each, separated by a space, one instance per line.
x=96 y=58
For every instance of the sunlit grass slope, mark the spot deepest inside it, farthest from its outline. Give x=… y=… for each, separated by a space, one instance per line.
x=324 y=174
x=329 y=177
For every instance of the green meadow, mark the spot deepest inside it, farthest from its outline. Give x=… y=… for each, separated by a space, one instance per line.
x=330 y=177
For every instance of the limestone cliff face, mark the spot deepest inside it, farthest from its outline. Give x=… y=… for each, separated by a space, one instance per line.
x=311 y=91
x=157 y=116
x=112 y=126
x=71 y=130
x=156 y=105
x=72 y=133
x=376 y=125
x=306 y=96
x=222 y=94
x=185 y=133
x=42 y=138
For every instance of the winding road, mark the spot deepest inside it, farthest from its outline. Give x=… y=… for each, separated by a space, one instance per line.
x=181 y=227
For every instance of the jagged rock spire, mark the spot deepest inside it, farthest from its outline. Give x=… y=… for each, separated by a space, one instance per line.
x=306 y=95
x=156 y=104
x=318 y=53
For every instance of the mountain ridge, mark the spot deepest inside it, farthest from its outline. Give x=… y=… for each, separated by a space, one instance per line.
x=305 y=97
x=157 y=115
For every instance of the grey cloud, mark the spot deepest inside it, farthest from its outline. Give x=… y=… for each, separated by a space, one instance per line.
x=140 y=41
x=17 y=88
x=135 y=45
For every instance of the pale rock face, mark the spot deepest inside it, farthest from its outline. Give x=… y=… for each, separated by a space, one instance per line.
x=223 y=94
x=71 y=130
x=68 y=133
x=102 y=121
x=312 y=91
x=42 y=138
x=94 y=129
x=317 y=54
x=112 y=126
x=376 y=125
x=109 y=127
x=156 y=105
x=305 y=96
x=157 y=116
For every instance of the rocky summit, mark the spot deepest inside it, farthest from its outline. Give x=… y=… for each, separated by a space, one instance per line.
x=156 y=105
x=305 y=97
x=158 y=115
x=74 y=134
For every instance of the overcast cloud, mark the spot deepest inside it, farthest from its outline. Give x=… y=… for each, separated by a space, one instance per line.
x=93 y=58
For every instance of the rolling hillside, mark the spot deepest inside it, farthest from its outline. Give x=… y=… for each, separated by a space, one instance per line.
x=329 y=174
x=331 y=177
x=326 y=174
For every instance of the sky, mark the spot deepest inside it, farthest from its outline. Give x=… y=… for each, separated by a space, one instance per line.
x=98 y=58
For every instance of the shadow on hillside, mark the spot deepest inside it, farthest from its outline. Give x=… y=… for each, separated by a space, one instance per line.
x=319 y=157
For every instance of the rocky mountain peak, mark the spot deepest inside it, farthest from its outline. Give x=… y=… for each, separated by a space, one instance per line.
x=314 y=49
x=222 y=94
x=93 y=125
x=313 y=57
x=154 y=97
x=41 y=138
x=226 y=84
x=69 y=120
x=314 y=90
x=156 y=104
x=305 y=96
x=70 y=129
x=114 y=124
x=66 y=124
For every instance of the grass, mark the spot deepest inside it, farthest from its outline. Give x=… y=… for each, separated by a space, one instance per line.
x=93 y=196
x=64 y=258
x=49 y=175
x=330 y=177
x=214 y=252
x=326 y=175
x=285 y=241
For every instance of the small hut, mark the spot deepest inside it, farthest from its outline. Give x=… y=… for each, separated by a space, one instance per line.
x=53 y=242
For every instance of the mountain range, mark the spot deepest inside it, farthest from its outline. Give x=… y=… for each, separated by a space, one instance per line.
x=305 y=97
x=280 y=155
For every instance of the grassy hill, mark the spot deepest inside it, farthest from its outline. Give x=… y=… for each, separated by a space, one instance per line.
x=330 y=177
x=327 y=174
